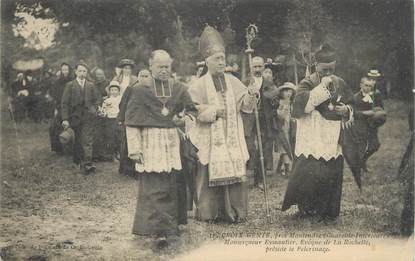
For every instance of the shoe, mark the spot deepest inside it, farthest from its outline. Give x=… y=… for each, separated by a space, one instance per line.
x=161 y=242
x=87 y=169
x=90 y=168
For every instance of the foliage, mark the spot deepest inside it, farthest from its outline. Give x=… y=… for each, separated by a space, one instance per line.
x=365 y=33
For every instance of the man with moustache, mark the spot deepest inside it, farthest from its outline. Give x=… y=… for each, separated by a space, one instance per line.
x=263 y=87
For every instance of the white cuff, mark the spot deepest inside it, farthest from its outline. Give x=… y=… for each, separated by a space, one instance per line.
x=319 y=95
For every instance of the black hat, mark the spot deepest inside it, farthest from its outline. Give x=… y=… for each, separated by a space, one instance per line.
x=125 y=62
x=326 y=54
x=269 y=63
x=273 y=65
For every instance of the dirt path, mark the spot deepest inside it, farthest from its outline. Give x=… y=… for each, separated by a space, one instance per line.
x=51 y=212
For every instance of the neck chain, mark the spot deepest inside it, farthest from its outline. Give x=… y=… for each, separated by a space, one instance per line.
x=163 y=98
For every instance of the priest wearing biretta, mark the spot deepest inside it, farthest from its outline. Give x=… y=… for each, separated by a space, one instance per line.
x=323 y=112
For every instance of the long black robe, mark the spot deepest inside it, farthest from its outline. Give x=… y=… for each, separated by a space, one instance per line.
x=161 y=202
x=316 y=184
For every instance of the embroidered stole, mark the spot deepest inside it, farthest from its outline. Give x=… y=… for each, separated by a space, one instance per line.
x=226 y=164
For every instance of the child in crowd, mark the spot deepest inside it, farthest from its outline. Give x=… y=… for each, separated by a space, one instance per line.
x=284 y=125
x=369 y=115
x=109 y=110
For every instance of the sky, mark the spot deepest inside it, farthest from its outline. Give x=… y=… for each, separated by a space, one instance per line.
x=39 y=33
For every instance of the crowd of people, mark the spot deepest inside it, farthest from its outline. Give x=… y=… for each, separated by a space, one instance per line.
x=195 y=144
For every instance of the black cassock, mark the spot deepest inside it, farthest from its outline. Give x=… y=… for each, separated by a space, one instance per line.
x=316 y=184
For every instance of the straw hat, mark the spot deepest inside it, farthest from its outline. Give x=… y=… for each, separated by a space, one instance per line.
x=287 y=85
x=373 y=73
x=112 y=84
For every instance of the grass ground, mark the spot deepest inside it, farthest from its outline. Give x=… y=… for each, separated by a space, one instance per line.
x=49 y=211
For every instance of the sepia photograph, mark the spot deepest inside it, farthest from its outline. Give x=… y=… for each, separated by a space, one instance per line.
x=207 y=130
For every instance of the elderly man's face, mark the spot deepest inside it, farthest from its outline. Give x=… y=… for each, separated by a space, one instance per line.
x=99 y=75
x=257 y=66
x=161 y=67
x=216 y=63
x=326 y=69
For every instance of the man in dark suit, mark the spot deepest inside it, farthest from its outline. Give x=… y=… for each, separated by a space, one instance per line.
x=265 y=119
x=80 y=101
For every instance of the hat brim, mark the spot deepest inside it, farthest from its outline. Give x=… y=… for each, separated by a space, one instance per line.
x=107 y=89
x=374 y=74
x=285 y=87
x=121 y=65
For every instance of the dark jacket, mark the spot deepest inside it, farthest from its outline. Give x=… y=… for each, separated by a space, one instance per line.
x=363 y=124
x=139 y=107
x=264 y=110
x=344 y=93
x=77 y=103
x=101 y=87
x=58 y=88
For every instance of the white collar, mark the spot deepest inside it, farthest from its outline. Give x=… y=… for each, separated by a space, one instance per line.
x=367 y=97
x=81 y=82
